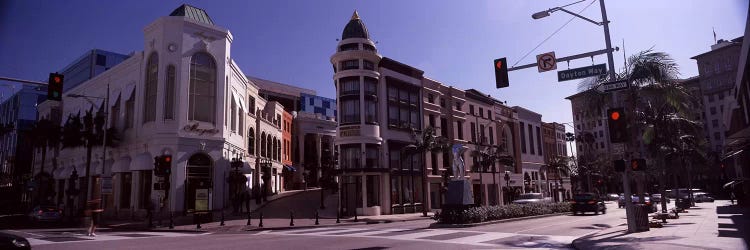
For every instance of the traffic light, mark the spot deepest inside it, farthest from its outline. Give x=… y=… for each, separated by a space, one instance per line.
x=618 y=128
x=619 y=165
x=638 y=164
x=163 y=165
x=55 y=86
x=501 y=73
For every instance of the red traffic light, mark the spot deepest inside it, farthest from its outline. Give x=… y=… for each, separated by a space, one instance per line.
x=614 y=115
x=167 y=158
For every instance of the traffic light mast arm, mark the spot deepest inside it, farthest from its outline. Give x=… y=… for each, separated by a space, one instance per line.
x=568 y=58
x=22 y=81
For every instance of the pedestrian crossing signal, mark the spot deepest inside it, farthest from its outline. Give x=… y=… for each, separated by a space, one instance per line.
x=638 y=164
x=501 y=73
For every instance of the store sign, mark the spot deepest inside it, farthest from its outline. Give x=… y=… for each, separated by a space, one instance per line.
x=201 y=200
x=106 y=185
x=350 y=131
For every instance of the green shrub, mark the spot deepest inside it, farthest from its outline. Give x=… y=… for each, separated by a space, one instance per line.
x=490 y=213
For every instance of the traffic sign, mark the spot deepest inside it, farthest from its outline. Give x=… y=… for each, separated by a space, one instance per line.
x=546 y=62
x=572 y=74
x=613 y=86
x=106 y=185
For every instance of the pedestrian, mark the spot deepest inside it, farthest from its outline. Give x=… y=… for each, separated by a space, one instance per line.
x=731 y=196
x=246 y=195
x=93 y=210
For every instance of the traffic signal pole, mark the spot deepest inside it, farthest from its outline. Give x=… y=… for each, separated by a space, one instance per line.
x=22 y=81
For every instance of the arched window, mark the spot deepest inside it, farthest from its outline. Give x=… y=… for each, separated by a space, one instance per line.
x=149 y=90
x=263 y=144
x=275 y=145
x=169 y=94
x=202 y=92
x=251 y=141
x=268 y=145
x=278 y=150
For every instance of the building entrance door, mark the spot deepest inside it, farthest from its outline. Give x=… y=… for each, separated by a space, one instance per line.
x=198 y=177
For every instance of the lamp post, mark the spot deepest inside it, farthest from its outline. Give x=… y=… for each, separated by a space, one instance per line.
x=104 y=142
x=507 y=184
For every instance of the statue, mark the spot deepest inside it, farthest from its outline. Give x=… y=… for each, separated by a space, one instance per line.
x=458 y=162
x=459 y=193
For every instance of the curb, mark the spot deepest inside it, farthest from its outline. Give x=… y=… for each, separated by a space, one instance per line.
x=438 y=225
x=349 y=223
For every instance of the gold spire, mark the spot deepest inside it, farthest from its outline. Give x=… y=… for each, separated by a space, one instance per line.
x=355 y=16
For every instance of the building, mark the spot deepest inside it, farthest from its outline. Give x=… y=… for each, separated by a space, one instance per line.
x=287 y=95
x=737 y=121
x=553 y=137
x=89 y=65
x=532 y=153
x=717 y=73
x=17 y=121
x=318 y=105
x=182 y=96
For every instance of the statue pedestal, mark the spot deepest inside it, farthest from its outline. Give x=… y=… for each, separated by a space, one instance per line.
x=459 y=194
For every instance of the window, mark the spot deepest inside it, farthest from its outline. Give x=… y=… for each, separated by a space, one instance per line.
x=710 y=98
x=145 y=189
x=371 y=86
x=326 y=104
x=371 y=111
x=169 y=94
x=715 y=123
x=350 y=156
x=126 y=182
x=368 y=47
x=538 y=141
x=251 y=141
x=721 y=95
x=202 y=92
x=430 y=98
x=481 y=112
x=350 y=64
x=471 y=109
x=101 y=60
x=241 y=118
x=443 y=127
x=349 y=85
x=149 y=90
x=311 y=101
x=458 y=106
x=523 y=139
x=349 y=46
x=601 y=133
x=460 y=130
x=442 y=102
x=130 y=110
x=403 y=104
x=601 y=145
x=350 y=111
x=531 y=139
x=233 y=116
x=473 y=128
x=489 y=114
x=713 y=110
x=492 y=138
x=482 y=139
x=251 y=103
x=371 y=156
x=373 y=190
x=600 y=122
x=368 y=65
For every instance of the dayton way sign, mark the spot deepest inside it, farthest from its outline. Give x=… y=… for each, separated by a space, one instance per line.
x=572 y=74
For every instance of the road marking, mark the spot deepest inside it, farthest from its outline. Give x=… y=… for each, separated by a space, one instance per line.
x=556 y=224
x=37 y=235
x=263 y=232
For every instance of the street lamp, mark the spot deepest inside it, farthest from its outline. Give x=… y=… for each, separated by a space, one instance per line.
x=103 y=107
x=507 y=184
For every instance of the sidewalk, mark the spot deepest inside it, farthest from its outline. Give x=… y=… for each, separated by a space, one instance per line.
x=717 y=225
x=276 y=216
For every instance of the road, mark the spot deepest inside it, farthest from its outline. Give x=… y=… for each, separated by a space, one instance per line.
x=553 y=232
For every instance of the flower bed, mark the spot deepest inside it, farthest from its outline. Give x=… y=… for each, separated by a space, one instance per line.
x=490 y=213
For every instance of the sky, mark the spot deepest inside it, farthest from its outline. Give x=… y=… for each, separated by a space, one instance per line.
x=453 y=42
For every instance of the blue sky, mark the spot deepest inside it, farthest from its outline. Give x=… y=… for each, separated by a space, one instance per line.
x=454 y=42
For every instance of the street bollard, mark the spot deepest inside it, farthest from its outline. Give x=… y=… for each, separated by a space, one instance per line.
x=338 y=217
x=248 y=218
x=355 y=217
x=260 y=224
x=171 y=221
x=291 y=218
x=222 y=219
x=198 y=222
x=316 y=219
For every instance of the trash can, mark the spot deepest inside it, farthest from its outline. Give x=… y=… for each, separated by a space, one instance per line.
x=641 y=217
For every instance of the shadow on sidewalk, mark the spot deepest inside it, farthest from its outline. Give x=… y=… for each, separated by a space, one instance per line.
x=740 y=226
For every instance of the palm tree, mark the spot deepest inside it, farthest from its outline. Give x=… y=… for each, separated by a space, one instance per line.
x=426 y=142
x=46 y=134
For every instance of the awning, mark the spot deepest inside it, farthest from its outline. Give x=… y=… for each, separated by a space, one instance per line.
x=290 y=168
x=128 y=91
x=113 y=97
x=142 y=161
x=121 y=165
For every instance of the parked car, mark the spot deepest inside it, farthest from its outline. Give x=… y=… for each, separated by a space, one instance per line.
x=613 y=197
x=587 y=202
x=531 y=198
x=636 y=200
x=46 y=213
x=702 y=197
x=656 y=198
x=12 y=241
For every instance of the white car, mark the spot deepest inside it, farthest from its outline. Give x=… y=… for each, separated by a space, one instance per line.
x=702 y=197
x=528 y=198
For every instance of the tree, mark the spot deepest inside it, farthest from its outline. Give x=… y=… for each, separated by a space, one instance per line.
x=46 y=134
x=426 y=142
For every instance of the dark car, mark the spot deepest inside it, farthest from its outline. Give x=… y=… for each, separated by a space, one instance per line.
x=587 y=202
x=656 y=198
x=11 y=241
x=636 y=200
x=46 y=213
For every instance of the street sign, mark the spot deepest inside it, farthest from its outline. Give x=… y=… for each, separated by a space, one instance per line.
x=572 y=74
x=546 y=62
x=618 y=148
x=106 y=185
x=613 y=86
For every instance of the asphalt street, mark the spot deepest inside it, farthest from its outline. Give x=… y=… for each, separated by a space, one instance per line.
x=553 y=232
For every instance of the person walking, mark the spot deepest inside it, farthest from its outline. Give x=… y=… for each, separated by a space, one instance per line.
x=93 y=209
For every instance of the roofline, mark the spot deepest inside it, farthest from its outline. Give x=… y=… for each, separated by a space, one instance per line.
x=732 y=43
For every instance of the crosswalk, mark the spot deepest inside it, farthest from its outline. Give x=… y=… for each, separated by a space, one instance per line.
x=492 y=239
x=36 y=239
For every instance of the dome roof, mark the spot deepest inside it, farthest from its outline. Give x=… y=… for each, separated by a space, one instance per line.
x=355 y=28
